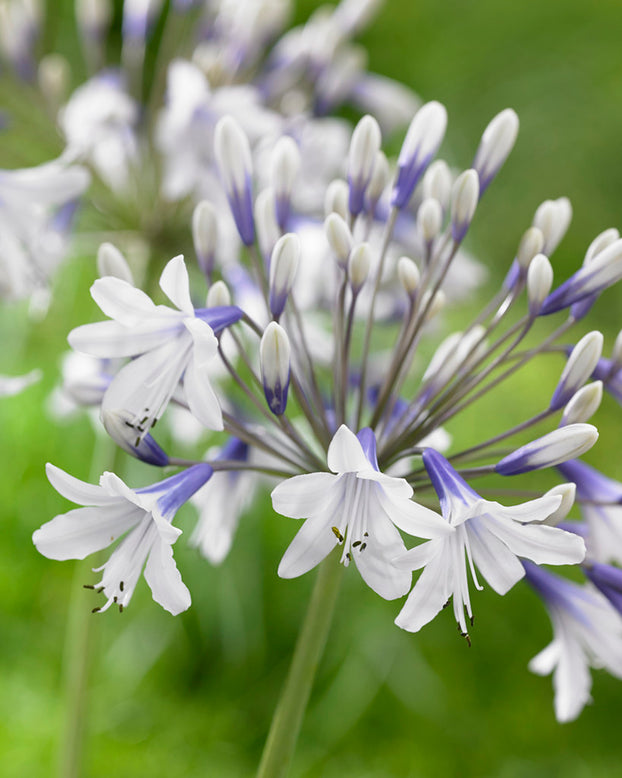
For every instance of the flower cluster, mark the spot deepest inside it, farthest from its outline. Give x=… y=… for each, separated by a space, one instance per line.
x=299 y=329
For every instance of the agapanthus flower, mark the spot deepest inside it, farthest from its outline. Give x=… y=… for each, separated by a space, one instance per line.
x=140 y=518
x=169 y=344
x=587 y=632
x=487 y=535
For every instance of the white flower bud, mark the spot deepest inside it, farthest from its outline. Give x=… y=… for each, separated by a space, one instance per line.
x=274 y=355
x=497 y=141
x=552 y=449
x=429 y=219
x=409 y=275
x=358 y=265
x=93 y=16
x=218 y=295
x=436 y=306
x=268 y=231
x=53 y=76
x=578 y=368
x=464 y=197
x=531 y=244
x=437 y=182
x=600 y=243
x=233 y=155
x=379 y=178
x=283 y=268
x=285 y=167
x=567 y=492
x=339 y=237
x=205 y=234
x=539 y=282
x=111 y=262
x=364 y=146
x=583 y=404
x=553 y=218
x=616 y=353
x=336 y=198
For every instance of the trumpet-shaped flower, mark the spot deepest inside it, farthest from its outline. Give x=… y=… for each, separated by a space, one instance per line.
x=142 y=516
x=358 y=507
x=490 y=536
x=587 y=632
x=169 y=344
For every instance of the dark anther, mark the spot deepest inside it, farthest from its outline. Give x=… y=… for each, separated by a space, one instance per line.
x=349 y=556
x=356 y=543
x=88 y=586
x=95 y=610
x=337 y=534
x=363 y=547
x=365 y=534
x=121 y=586
x=120 y=608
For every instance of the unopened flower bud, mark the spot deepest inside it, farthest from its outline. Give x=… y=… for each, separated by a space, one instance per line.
x=274 y=354
x=531 y=244
x=497 y=141
x=600 y=243
x=336 y=198
x=554 y=448
x=268 y=231
x=423 y=138
x=339 y=237
x=93 y=17
x=205 y=235
x=111 y=262
x=579 y=368
x=436 y=305
x=218 y=295
x=539 y=282
x=583 y=404
x=119 y=425
x=285 y=167
x=437 y=183
x=567 y=492
x=464 y=197
x=283 y=267
x=409 y=276
x=604 y=270
x=429 y=219
x=552 y=218
x=359 y=263
x=53 y=75
x=233 y=155
x=364 y=146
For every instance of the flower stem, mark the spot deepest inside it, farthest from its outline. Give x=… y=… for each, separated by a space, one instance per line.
x=286 y=722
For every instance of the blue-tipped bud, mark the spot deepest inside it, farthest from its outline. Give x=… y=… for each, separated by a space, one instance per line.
x=283 y=267
x=600 y=243
x=218 y=295
x=552 y=218
x=339 y=237
x=285 y=167
x=274 y=354
x=358 y=266
x=579 y=367
x=464 y=198
x=552 y=449
x=497 y=141
x=233 y=156
x=603 y=271
x=583 y=404
x=539 y=282
x=111 y=262
x=205 y=236
x=336 y=198
x=423 y=138
x=122 y=429
x=364 y=146
x=268 y=231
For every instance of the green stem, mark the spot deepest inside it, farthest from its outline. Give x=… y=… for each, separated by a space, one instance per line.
x=287 y=720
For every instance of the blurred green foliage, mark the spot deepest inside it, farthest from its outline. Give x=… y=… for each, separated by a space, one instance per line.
x=193 y=695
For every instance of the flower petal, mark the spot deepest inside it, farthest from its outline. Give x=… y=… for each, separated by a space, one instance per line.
x=303 y=495
x=121 y=301
x=76 y=490
x=345 y=453
x=497 y=564
x=111 y=339
x=375 y=564
x=429 y=595
x=543 y=545
x=164 y=579
x=313 y=541
x=201 y=398
x=175 y=284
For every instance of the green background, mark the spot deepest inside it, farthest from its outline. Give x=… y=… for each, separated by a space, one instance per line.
x=193 y=695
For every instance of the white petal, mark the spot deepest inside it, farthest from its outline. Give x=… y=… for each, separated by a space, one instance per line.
x=345 y=453
x=121 y=301
x=303 y=495
x=10 y=385
x=111 y=339
x=76 y=490
x=374 y=561
x=164 y=579
x=497 y=564
x=532 y=510
x=415 y=519
x=428 y=597
x=176 y=286
x=543 y=545
x=313 y=541
x=418 y=557
x=204 y=341
x=201 y=398
x=78 y=533
x=572 y=681
x=544 y=662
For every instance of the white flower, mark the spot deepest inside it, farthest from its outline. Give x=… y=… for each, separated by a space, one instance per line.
x=358 y=507
x=587 y=632
x=490 y=536
x=168 y=343
x=113 y=510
